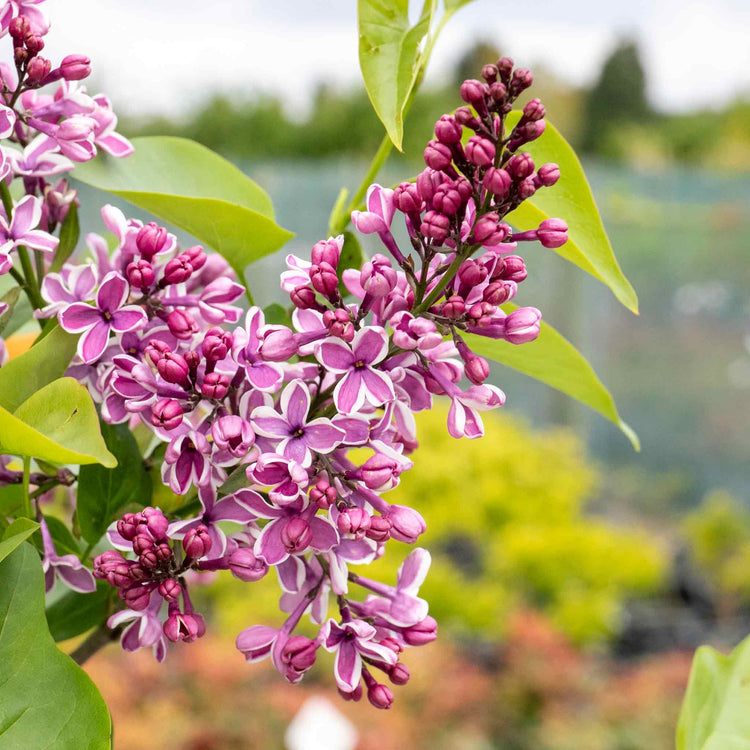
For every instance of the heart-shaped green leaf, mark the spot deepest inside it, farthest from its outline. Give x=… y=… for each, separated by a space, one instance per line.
x=46 y=361
x=571 y=200
x=57 y=424
x=715 y=713
x=197 y=190
x=388 y=57
x=46 y=700
x=553 y=360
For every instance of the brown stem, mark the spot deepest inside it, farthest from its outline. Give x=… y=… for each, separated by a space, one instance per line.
x=96 y=641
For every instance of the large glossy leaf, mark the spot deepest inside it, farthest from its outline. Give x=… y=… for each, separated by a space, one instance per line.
x=58 y=424
x=15 y=535
x=197 y=190
x=715 y=713
x=553 y=360
x=9 y=298
x=75 y=613
x=70 y=231
x=46 y=361
x=46 y=700
x=388 y=57
x=102 y=492
x=571 y=199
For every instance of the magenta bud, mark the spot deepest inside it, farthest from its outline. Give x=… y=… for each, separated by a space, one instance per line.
x=380 y=471
x=489 y=231
x=196 y=256
x=215 y=386
x=380 y=696
x=355 y=695
x=471 y=273
x=234 y=434
x=34 y=44
x=277 y=344
x=197 y=543
x=498 y=182
x=377 y=276
x=447 y=200
x=182 y=628
x=407 y=523
x=435 y=226
x=505 y=68
x=522 y=325
x=246 y=566
x=156 y=349
x=299 y=653
x=520 y=166
x=37 y=69
x=354 y=521
x=499 y=292
x=473 y=91
x=150 y=239
x=181 y=324
x=437 y=155
x=552 y=233
x=399 y=674
x=454 y=307
x=526 y=133
x=464 y=116
x=142 y=543
x=127 y=527
x=303 y=297
x=326 y=251
x=296 y=535
x=380 y=529
x=548 y=174
x=323 y=494
x=339 y=324
x=216 y=344
x=193 y=359
x=137 y=597
x=520 y=81
x=534 y=110
x=406 y=198
x=119 y=576
x=19 y=28
x=324 y=279
x=447 y=130
x=489 y=72
x=421 y=633
x=428 y=182
x=498 y=91
x=75 y=67
x=140 y=274
x=477 y=370
x=170 y=589
x=480 y=151
x=526 y=188
x=163 y=551
x=148 y=559
x=514 y=268
x=178 y=270
x=173 y=368
x=156 y=522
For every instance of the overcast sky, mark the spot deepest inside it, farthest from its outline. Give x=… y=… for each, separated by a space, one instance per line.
x=166 y=55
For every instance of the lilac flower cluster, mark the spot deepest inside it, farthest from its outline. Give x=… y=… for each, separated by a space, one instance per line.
x=254 y=423
x=43 y=135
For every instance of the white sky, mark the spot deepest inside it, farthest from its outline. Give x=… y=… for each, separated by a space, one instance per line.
x=167 y=55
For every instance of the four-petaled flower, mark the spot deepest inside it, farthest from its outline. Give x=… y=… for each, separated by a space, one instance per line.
x=26 y=215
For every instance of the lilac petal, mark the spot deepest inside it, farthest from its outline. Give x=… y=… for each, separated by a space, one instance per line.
x=407 y=610
x=295 y=403
x=37 y=239
x=338 y=573
x=128 y=318
x=295 y=449
x=229 y=509
x=53 y=289
x=113 y=409
x=124 y=615
x=256 y=642
x=269 y=545
x=367 y=222
x=74 y=574
x=413 y=571
x=183 y=470
x=116 y=145
x=378 y=385
x=255 y=504
x=178 y=529
x=347 y=668
x=357 y=551
x=324 y=534
x=376 y=651
x=349 y=394
x=160 y=650
x=370 y=345
x=26 y=214
x=112 y=293
x=356 y=428
x=92 y=344
x=334 y=355
x=291 y=574
x=49 y=579
x=130 y=640
x=269 y=423
x=322 y=436
x=264 y=376
x=82 y=281
x=78 y=317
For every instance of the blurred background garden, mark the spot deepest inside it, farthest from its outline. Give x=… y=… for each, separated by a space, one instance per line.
x=579 y=576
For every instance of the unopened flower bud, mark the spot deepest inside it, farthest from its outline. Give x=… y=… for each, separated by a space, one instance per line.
x=156 y=349
x=548 y=174
x=127 y=526
x=380 y=529
x=34 y=44
x=520 y=166
x=277 y=344
x=216 y=344
x=380 y=471
x=378 y=277
x=178 y=270
x=552 y=233
x=234 y=434
x=140 y=274
x=473 y=91
x=489 y=231
x=163 y=551
x=196 y=256
x=505 y=68
x=406 y=198
x=526 y=133
x=437 y=155
x=399 y=674
x=355 y=695
x=324 y=279
x=19 y=28
x=447 y=130
x=246 y=566
x=534 y=110
x=499 y=292
x=447 y=199
x=323 y=494
x=522 y=325
x=477 y=370
x=37 y=69
x=489 y=72
x=526 y=188
x=498 y=182
x=182 y=325
x=406 y=523
x=150 y=239
x=514 y=268
x=380 y=696
x=464 y=116
x=480 y=151
x=173 y=368
x=421 y=633
x=520 y=81
x=435 y=226
x=215 y=386
x=137 y=597
x=197 y=543
x=498 y=91
x=75 y=67
x=326 y=251
x=339 y=324
x=170 y=589
x=156 y=522
x=454 y=307
x=299 y=653
x=303 y=297
x=182 y=628
x=296 y=535
x=142 y=543
x=354 y=521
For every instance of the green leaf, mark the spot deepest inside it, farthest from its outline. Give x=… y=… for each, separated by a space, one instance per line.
x=714 y=714
x=70 y=231
x=337 y=212
x=389 y=55
x=102 y=492
x=197 y=190
x=15 y=535
x=553 y=360
x=65 y=542
x=58 y=424
x=277 y=315
x=75 y=613
x=47 y=360
x=46 y=700
x=451 y=6
x=571 y=200
x=9 y=299
x=11 y=500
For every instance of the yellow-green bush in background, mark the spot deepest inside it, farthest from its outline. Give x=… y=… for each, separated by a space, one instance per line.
x=506 y=528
